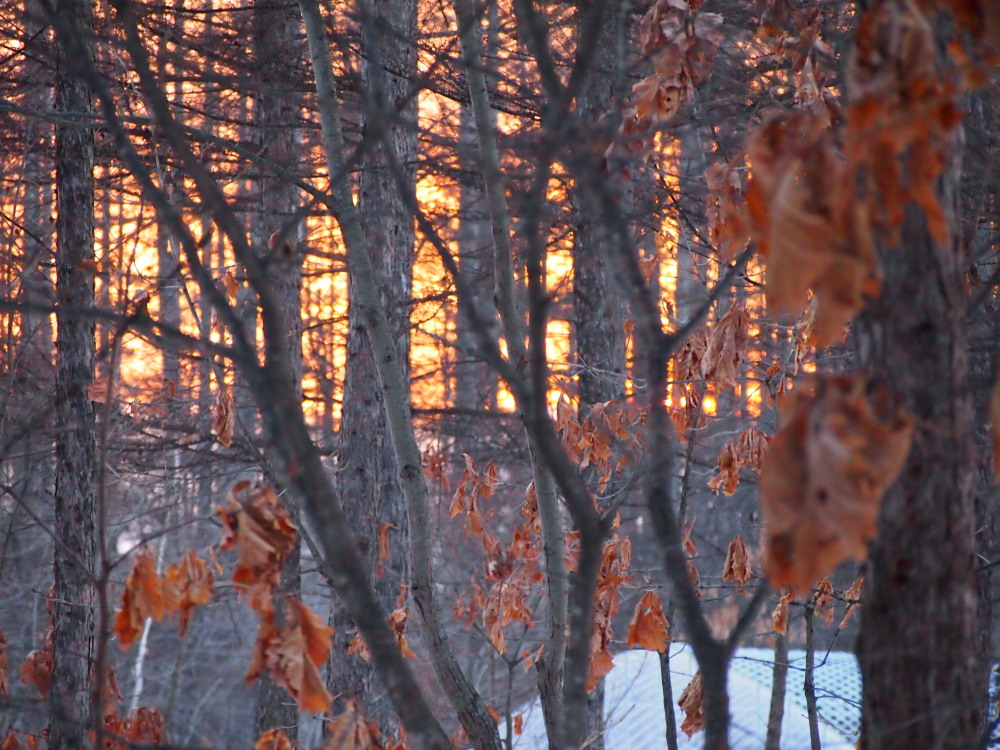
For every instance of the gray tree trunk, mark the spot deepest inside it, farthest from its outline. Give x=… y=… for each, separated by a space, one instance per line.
x=369 y=473
x=276 y=232
x=76 y=450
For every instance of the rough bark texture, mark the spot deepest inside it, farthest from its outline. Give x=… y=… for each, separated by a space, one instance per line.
x=76 y=449
x=276 y=232
x=598 y=307
x=919 y=643
x=475 y=383
x=369 y=471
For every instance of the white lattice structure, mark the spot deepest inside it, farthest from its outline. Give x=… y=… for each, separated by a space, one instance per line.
x=633 y=702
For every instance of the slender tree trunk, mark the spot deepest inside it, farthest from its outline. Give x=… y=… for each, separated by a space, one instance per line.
x=276 y=231
x=369 y=471
x=779 y=684
x=76 y=450
x=475 y=383
x=598 y=307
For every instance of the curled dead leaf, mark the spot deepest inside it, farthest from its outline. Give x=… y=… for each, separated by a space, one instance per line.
x=737 y=567
x=649 y=628
x=224 y=417
x=779 y=618
x=691 y=703
x=142 y=598
x=823 y=478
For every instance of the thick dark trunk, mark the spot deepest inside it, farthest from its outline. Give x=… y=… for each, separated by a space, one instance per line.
x=369 y=473
x=919 y=648
x=76 y=450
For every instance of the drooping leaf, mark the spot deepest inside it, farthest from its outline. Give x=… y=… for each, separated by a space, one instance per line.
x=186 y=584
x=737 y=567
x=779 y=618
x=142 y=598
x=260 y=529
x=36 y=669
x=823 y=600
x=853 y=597
x=691 y=704
x=273 y=739
x=727 y=347
x=351 y=731
x=649 y=628
x=728 y=477
x=224 y=416
x=294 y=653
x=823 y=478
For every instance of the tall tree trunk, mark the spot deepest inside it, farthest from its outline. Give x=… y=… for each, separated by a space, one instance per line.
x=76 y=450
x=276 y=28
x=919 y=647
x=369 y=472
x=598 y=308
x=475 y=382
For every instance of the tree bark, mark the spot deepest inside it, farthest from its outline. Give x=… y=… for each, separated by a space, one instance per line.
x=919 y=648
x=76 y=447
x=369 y=473
x=277 y=234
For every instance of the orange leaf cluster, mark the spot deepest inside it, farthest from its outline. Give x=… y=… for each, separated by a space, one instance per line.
x=262 y=533
x=691 y=551
x=804 y=215
x=351 y=731
x=507 y=602
x=615 y=571
x=727 y=227
x=853 y=598
x=901 y=118
x=680 y=42
x=687 y=378
x=606 y=438
x=737 y=567
x=36 y=669
x=293 y=654
x=749 y=450
x=224 y=416
x=692 y=705
x=823 y=600
x=649 y=628
x=823 y=478
x=472 y=489
x=273 y=739
x=727 y=347
x=184 y=586
x=144 y=726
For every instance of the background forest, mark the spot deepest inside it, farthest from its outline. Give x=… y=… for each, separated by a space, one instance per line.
x=370 y=369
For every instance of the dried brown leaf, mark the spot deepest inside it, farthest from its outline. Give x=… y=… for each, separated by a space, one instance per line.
x=691 y=704
x=823 y=478
x=649 y=628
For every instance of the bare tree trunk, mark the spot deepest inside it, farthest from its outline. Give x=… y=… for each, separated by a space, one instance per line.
x=475 y=383
x=923 y=677
x=779 y=684
x=276 y=50
x=76 y=449
x=369 y=471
